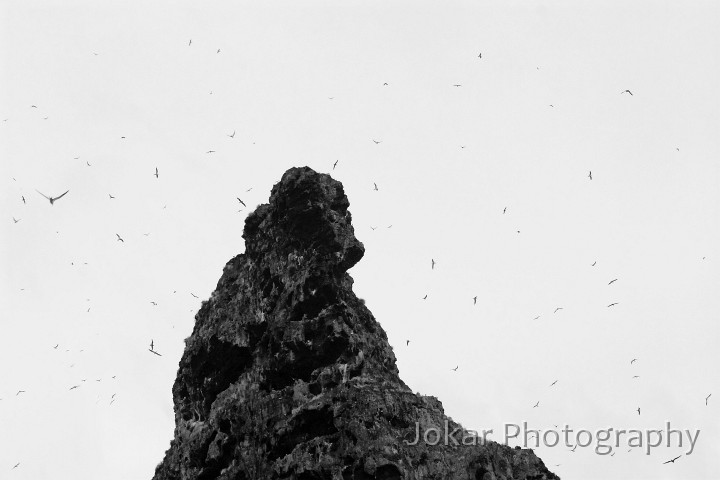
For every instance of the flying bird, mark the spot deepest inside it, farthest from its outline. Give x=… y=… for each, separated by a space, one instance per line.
x=504 y=210
x=432 y=265
x=16 y=220
x=154 y=303
x=475 y=300
x=590 y=175
x=335 y=164
x=558 y=308
x=376 y=189
x=52 y=199
x=156 y=353
x=612 y=304
x=19 y=392
x=538 y=403
x=594 y=263
x=455 y=369
x=612 y=281
x=119 y=239
x=233 y=134
x=553 y=383
x=633 y=361
x=156 y=173
x=194 y=295
x=152 y=345
x=74 y=387
x=374 y=228
x=706 y=399
x=210 y=151
x=243 y=203
x=190 y=42
x=626 y=91
x=425 y=297
x=218 y=51
x=55 y=347
x=33 y=106
x=636 y=376
x=376 y=141
x=110 y=196
x=536 y=317
x=638 y=410
x=480 y=55
x=16 y=465
x=23 y=198
x=457 y=85
x=407 y=342
x=673 y=460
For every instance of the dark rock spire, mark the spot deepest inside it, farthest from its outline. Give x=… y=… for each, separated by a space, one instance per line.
x=287 y=375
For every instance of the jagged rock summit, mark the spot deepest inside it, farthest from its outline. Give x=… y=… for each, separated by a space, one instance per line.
x=287 y=375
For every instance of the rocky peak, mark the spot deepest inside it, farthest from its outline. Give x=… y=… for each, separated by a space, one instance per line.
x=287 y=375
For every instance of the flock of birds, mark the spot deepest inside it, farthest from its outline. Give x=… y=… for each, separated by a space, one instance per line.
x=52 y=199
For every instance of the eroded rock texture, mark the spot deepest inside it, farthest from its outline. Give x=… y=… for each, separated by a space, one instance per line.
x=287 y=375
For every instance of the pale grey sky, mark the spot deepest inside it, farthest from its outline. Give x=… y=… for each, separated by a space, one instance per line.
x=302 y=84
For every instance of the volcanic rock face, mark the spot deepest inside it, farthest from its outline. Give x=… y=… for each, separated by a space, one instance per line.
x=287 y=375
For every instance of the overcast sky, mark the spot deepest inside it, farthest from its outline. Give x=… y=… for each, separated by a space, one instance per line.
x=119 y=91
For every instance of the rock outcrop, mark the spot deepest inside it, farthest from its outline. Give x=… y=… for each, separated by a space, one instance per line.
x=287 y=375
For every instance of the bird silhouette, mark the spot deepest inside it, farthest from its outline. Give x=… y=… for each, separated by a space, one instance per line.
x=74 y=387
x=19 y=392
x=52 y=199
x=119 y=239
x=218 y=51
x=558 y=308
x=594 y=263
x=154 y=303
x=233 y=134
x=612 y=304
x=475 y=300
x=156 y=353
x=374 y=228
x=55 y=347
x=706 y=399
x=243 y=203
x=377 y=141
x=504 y=210
x=626 y=91
x=376 y=188
x=636 y=376
x=480 y=55
x=110 y=196
x=633 y=361
x=457 y=85
x=335 y=164
x=536 y=317
x=16 y=220
x=455 y=369
x=210 y=151
x=152 y=344
x=23 y=198
x=536 y=405
x=673 y=460
x=194 y=295
x=553 y=383
x=638 y=410
x=190 y=42
x=156 y=173
x=407 y=342
x=612 y=281
x=425 y=297
x=590 y=175
x=16 y=465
